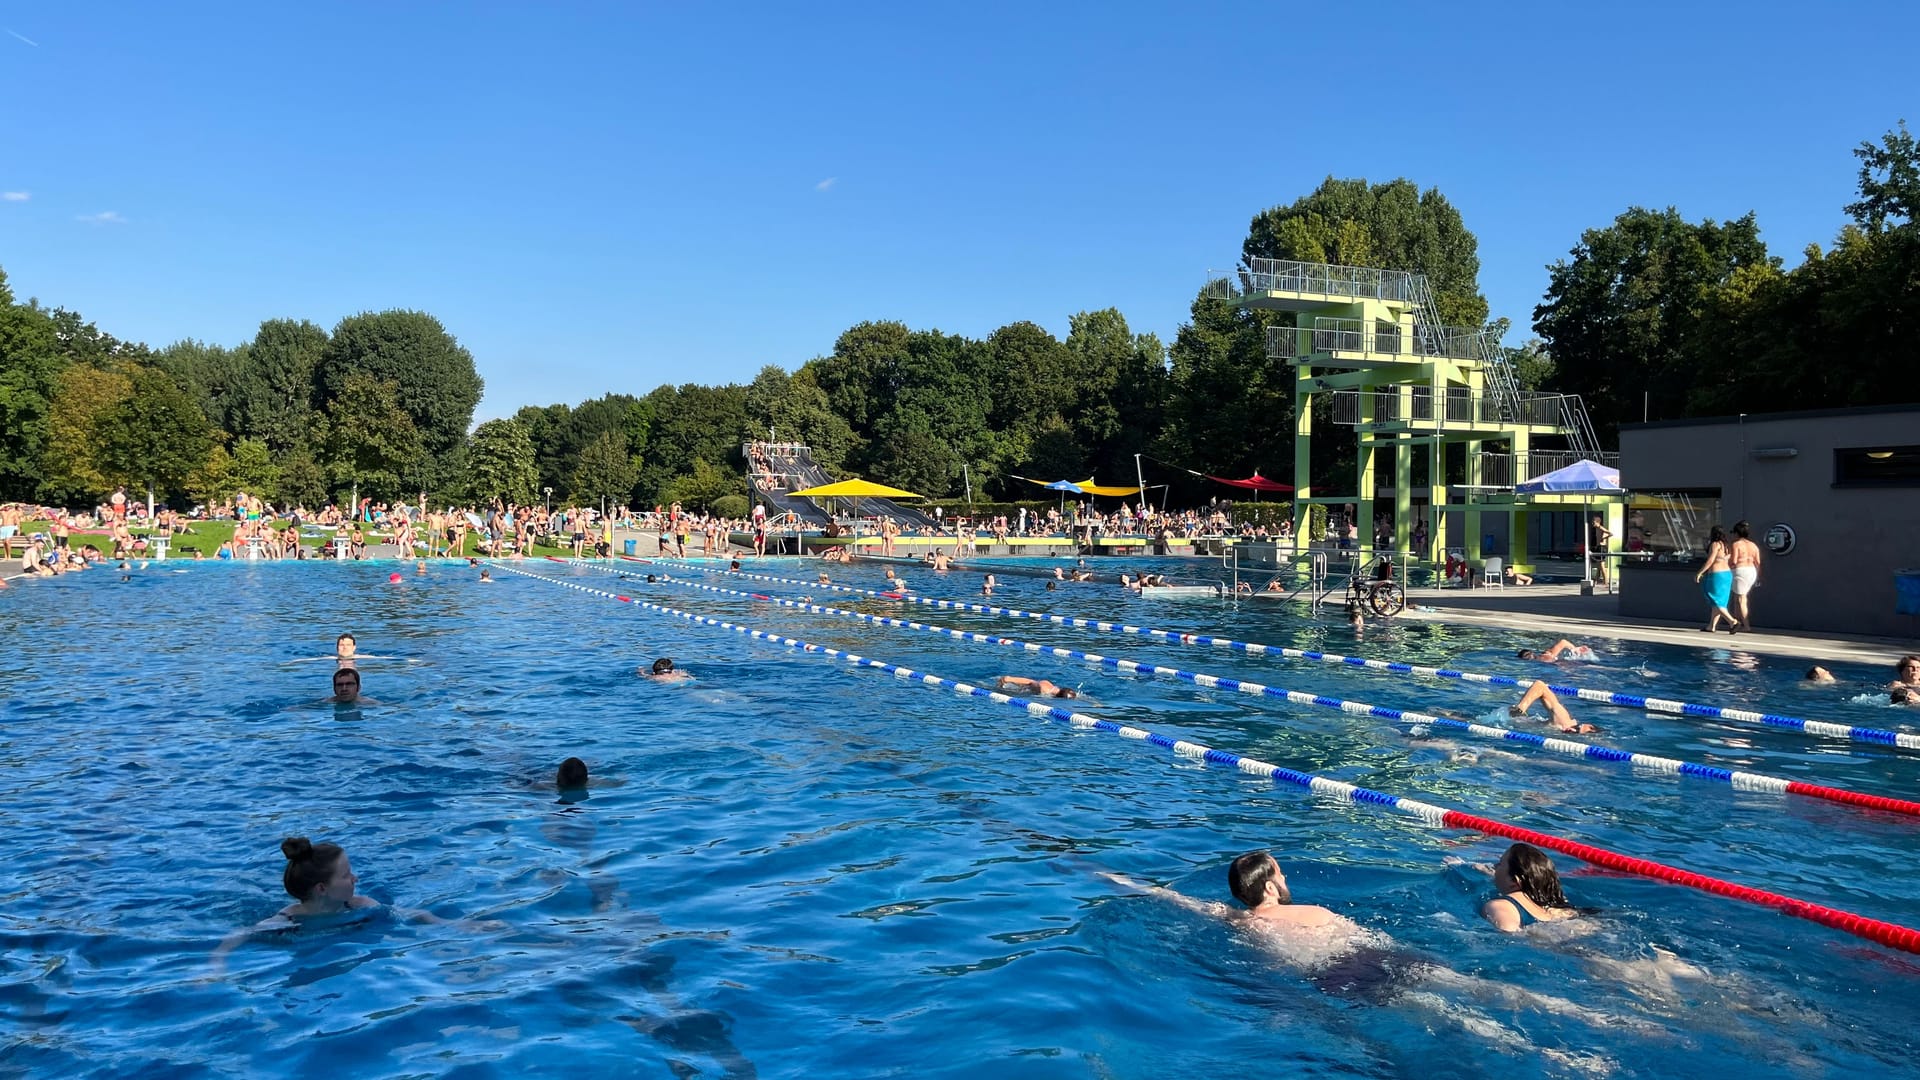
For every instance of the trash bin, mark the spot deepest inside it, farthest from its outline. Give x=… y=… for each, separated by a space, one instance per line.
x=633 y=547
x=1906 y=591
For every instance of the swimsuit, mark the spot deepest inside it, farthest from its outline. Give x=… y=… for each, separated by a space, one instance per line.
x=1526 y=917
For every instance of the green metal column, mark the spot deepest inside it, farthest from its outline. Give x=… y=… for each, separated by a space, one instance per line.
x=1402 y=496
x=1302 y=456
x=1471 y=549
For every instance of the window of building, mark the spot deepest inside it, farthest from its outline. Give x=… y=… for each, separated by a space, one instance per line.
x=1670 y=526
x=1876 y=466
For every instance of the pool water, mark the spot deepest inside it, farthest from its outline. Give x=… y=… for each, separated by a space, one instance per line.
x=793 y=867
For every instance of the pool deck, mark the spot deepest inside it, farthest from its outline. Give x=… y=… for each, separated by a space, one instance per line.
x=1556 y=611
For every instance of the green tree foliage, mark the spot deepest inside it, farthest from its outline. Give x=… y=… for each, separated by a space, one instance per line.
x=275 y=397
x=210 y=375
x=1623 y=316
x=1394 y=226
x=500 y=464
x=30 y=363
x=701 y=486
x=1121 y=384
x=795 y=409
x=693 y=423
x=433 y=377
x=254 y=469
x=74 y=467
x=1231 y=408
x=302 y=481
x=155 y=435
x=605 y=475
x=368 y=439
x=214 y=481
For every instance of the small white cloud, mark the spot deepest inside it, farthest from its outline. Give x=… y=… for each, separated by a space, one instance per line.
x=15 y=196
x=827 y=184
x=24 y=38
x=104 y=217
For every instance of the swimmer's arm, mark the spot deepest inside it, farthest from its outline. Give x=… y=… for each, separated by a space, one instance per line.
x=1203 y=907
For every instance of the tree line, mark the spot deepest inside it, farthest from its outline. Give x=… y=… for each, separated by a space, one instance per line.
x=1651 y=315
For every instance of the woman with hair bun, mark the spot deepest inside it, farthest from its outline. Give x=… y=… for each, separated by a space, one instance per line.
x=320 y=879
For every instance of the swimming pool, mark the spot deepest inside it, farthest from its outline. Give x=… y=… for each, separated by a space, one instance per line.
x=800 y=868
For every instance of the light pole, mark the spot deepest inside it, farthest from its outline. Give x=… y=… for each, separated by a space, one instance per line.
x=1141 y=479
x=546 y=504
x=967 y=478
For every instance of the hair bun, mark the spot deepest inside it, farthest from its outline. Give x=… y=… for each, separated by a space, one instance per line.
x=296 y=848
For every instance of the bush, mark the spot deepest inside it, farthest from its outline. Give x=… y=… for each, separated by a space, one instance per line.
x=730 y=506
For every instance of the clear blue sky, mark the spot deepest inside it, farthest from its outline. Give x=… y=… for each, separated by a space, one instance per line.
x=601 y=197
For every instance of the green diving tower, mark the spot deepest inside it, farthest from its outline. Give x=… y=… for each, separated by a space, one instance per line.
x=1407 y=384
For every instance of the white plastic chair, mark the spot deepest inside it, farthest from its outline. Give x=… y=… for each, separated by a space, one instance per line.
x=1494 y=574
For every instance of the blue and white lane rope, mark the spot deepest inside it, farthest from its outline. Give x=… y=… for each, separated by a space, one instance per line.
x=1737 y=779
x=1892 y=935
x=1878 y=736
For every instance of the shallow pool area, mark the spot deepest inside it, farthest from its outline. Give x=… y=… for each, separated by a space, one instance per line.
x=792 y=866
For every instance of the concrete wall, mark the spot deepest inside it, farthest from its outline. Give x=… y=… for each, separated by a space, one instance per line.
x=1849 y=541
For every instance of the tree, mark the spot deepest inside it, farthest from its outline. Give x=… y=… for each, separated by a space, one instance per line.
x=605 y=474
x=30 y=363
x=73 y=464
x=500 y=463
x=211 y=375
x=700 y=486
x=254 y=470
x=1622 y=317
x=1230 y=409
x=1394 y=226
x=155 y=435
x=433 y=377
x=302 y=481
x=213 y=482
x=276 y=398
x=368 y=439
x=1121 y=386
x=1889 y=182
x=797 y=410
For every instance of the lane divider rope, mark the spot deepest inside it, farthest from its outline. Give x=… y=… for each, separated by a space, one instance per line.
x=1889 y=934
x=1737 y=779
x=1878 y=736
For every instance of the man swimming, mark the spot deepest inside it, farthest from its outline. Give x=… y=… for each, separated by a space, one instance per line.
x=1561 y=648
x=346 y=688
x=1037 y=687
x=664 y=671
x=1557 y=713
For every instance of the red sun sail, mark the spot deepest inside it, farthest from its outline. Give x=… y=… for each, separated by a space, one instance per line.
x=1256 y=482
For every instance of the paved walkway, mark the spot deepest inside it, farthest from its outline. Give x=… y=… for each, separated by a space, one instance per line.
x=1560 y=611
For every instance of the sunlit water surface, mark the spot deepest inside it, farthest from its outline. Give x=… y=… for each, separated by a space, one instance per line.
x=791 y=867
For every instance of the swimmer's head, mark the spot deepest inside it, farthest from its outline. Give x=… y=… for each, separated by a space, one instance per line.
x=485 y=575
x=734 y=565
x=1908 y=668
x=1527 y=869
x=662 y=666
x=1818 y=674
x=343 y=646
x=312 y=867
x=650 y=579
x=346 y=684
x=1526 y=654
x=1250 y=875
x=1066 y=692
x=1051 y=587
x=572 y=775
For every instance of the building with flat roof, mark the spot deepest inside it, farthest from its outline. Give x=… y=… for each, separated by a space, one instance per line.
x=1832 y=497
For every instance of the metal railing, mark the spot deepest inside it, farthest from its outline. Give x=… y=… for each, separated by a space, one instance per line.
x=1455 y=405
x=1320 y=279
x=1506 y=470
x=1354 y=335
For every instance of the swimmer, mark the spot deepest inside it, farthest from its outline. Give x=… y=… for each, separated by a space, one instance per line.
x=320 y=879
x=664 y=671
x=1557 y=713
x=486 y=576
x=987 y=586
x=1820 y=676
x=1059 y=574
x=1038 y=687
x=1529 y=890
x=344 y=647
x=1563 y=647
x=1052 y=586
x=346 y=689
x=572 y=775
x=1906 y=672
x=734 y=565
x=825 y=580
x=420 y=567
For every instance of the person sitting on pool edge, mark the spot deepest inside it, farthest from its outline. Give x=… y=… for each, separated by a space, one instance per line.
x=664 y=671
x=1038 y=687
x=1563 y=647
x=1557 y=713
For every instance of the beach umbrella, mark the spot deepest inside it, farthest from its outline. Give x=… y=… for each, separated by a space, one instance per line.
x=1581 y=477
x=856 y=490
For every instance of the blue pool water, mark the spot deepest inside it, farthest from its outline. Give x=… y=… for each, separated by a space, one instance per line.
x=791 y=867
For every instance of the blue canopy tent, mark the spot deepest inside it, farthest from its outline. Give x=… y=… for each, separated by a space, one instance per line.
x=1579 y=478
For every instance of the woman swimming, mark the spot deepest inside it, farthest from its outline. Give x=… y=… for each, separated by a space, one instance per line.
x=320 y=879
x=1529 y=890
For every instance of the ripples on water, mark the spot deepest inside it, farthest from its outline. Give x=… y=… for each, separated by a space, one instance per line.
x=793 y=868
